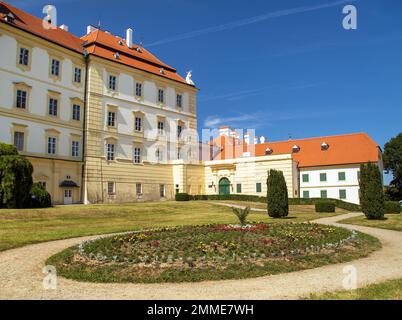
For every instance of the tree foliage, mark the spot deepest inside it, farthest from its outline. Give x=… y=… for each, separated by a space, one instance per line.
x=277 y=195
x=15 y=178
x=393 y=163
x=372 y=198
x=39 y=197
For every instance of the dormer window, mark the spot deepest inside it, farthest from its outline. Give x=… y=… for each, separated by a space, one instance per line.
x=117 y=55
x=324 y=146
x=10 y=17
x=268 y=151
x=295 y=148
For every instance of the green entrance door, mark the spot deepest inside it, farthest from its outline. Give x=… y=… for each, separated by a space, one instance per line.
x=224 y=186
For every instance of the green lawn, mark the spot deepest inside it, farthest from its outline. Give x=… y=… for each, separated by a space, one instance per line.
x=391 y=221
x=389 y=290
x=21 y=227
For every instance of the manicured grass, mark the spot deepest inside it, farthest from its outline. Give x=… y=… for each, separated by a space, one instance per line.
x=389 y=290
x=391 y=221
x=21 y=227
x=212 y=252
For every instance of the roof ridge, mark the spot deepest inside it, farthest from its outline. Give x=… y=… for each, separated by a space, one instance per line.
x=319 y=137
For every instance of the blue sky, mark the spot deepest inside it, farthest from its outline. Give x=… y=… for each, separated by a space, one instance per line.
x=283 y=67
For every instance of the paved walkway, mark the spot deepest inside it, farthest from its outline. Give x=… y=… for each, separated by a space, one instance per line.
x=21 y=275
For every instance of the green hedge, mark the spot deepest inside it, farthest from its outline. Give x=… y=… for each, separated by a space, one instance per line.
x=324 y=206
x=39 y=197
x=182 y=197
x=392 y=207
x=292 y=201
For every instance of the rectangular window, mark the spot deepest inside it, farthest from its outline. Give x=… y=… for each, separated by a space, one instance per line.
x=19 y=140
x=258 y=186
x=342 y=194
x=178 y=153
x=76 y=112
x=179 y=130
x=323 y=177
x=112 y=83
x=306 y=194
x=138 y=188
x=138 y=124
x=179 y=100
x=161 y=96
x=53 y=107
x=238 y=188
x=77 y=75
x=43 y=184
x=138 y=89
x=162 y=190
x=137 y=155
x=159 y=154
x=305 y=177
x=110 y=151
x=324 y=194
x=51 y=145
x=341 y=176
x=111 y=188
x=21 y=102
x=75 y=148
x=55 y=67
x=111 y=119
x=161 y=128
x=24 y=57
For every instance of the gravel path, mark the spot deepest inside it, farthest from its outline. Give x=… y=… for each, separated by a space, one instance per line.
x=21 y=275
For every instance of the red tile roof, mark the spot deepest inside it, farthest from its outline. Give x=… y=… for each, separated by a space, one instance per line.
x=343 y=149
x=34 y=25
x=98 y=43
x=105 y=45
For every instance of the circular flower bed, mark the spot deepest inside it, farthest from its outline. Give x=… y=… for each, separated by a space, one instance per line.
x=195 y=253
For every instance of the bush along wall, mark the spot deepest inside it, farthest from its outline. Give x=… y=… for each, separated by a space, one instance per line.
x=182 y=197
x=392 y=207
x=292 y=201
x=39 y=197
x=371 y=191
x=277 y=195
x=324 y=206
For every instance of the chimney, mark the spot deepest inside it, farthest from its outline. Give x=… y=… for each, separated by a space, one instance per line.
x=262 y=139
x=64 y=27
x=129 y=38
x=91 y=29
x=247 y=138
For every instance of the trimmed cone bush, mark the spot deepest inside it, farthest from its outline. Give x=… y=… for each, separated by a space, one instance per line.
x=277 y=195
x=39 y=197
x=392 y=207
x=371 y=191
x=182 y=197
x=324 y=206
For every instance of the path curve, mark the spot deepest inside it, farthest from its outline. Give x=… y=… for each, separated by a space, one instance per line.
x=21 y=275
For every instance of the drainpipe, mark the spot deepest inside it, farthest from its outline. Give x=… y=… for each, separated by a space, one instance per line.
x=83 y=174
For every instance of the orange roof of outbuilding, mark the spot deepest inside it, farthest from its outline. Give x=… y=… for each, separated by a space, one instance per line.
x=34 y=25
x=352 y=148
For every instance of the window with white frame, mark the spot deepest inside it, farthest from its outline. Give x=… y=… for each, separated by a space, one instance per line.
x=21 y=102
x=161 y=96
x=138 y=123
x=75 y=148
x=110 y=151
x=53 y=102
x=111 y=187
x=159 y=154
x=77 y=74
x=179 y=100
x=51 y=145
x=162 y=190
x=55 y=69
x=138 y=89
x=161 y=127
x=178 y=153
x=24 y=57
x=76 y=112
x=179 y=130
x=112 y=82
x=19 y=140
x=137 y=154
x=111 y=119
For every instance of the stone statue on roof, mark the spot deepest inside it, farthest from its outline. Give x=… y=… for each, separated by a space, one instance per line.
x=188 y=78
